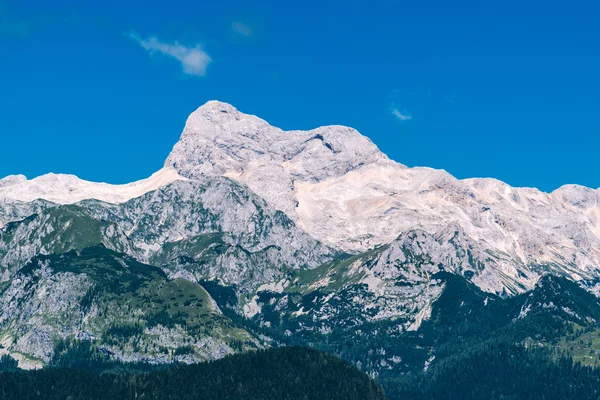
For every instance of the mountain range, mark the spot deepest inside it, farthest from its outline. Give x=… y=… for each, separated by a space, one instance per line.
x=251 y=237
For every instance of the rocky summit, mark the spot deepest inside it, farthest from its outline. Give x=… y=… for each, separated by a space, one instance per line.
x=251 y=236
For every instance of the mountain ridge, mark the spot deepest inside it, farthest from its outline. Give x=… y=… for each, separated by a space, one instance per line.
x=314 y=236
x=339 y=188
x=69 y=189
x=19 y=178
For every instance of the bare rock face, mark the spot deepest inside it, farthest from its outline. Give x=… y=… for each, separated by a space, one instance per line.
x=334 y=185
x=130 y=310
x=16 y=210
x=218 y=139
x=338 y=187
x=224 y=230
x=278 y=215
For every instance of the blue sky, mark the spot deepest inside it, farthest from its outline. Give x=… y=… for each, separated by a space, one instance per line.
x=506 y=89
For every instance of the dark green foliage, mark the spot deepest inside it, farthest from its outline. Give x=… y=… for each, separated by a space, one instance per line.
x=184 y=350
x=225 y=296
x=122 y=333
x=80 y=355
x=503 y=348
x=160 y=318
x=499 y=371
x=7 y=363
x=85 y=355
x=476 y=345
x=463 y=317
x=468 y=329
x=283 y=374
x=113 y=272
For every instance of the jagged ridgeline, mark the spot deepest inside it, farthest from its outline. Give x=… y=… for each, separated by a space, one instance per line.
x=252 y=237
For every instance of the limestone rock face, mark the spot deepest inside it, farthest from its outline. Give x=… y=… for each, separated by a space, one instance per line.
x=283 y=219
x=338 y=187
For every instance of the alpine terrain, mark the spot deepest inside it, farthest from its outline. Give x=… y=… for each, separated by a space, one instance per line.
x=252 y=237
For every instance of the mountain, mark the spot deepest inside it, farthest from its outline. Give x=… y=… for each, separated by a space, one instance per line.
x=336 y=186
x=453 y=316
x=15 y=210
x=129 y=310
x=293 y=237
x=213 y=228
x=541 y=344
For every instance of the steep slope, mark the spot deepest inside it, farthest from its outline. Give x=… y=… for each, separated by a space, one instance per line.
x=214 y=228
x=315 y=237
x=523 y=347
x=343 y=191
x=220 y=140
x=132 y=311
x=336 y=185
x=498 y=371
x=211 y=228
x=446 y=317
x=15 y=210
x=54 y=230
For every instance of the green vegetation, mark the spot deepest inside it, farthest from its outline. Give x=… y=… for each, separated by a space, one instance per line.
x=499 y=371
x=133 y=308
x=474 y=345
x=205 y=246
x=282 y=374
x=7 y=363
x=59 y=229
x=521 y=348
x=553 y=325
x=334 y=272
x=582 y=345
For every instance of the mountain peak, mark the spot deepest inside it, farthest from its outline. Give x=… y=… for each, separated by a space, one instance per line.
x=12 y=179
x=577 y=196
x=217 y=113
x=214 y=109
x=220 y=105
x=220 y=140
x=337 y=186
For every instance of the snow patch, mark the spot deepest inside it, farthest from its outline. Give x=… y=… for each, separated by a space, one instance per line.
x=69 y=189
x=421 y=316
x=252 y=308
x=276 y=287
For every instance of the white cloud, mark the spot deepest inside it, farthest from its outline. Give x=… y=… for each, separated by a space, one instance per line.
x=241 y=29
x=193 y=59
x=401 y=115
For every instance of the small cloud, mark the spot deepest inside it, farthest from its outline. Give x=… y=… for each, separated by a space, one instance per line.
x=402 y=115
x=194 y=60
x=241 y=29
